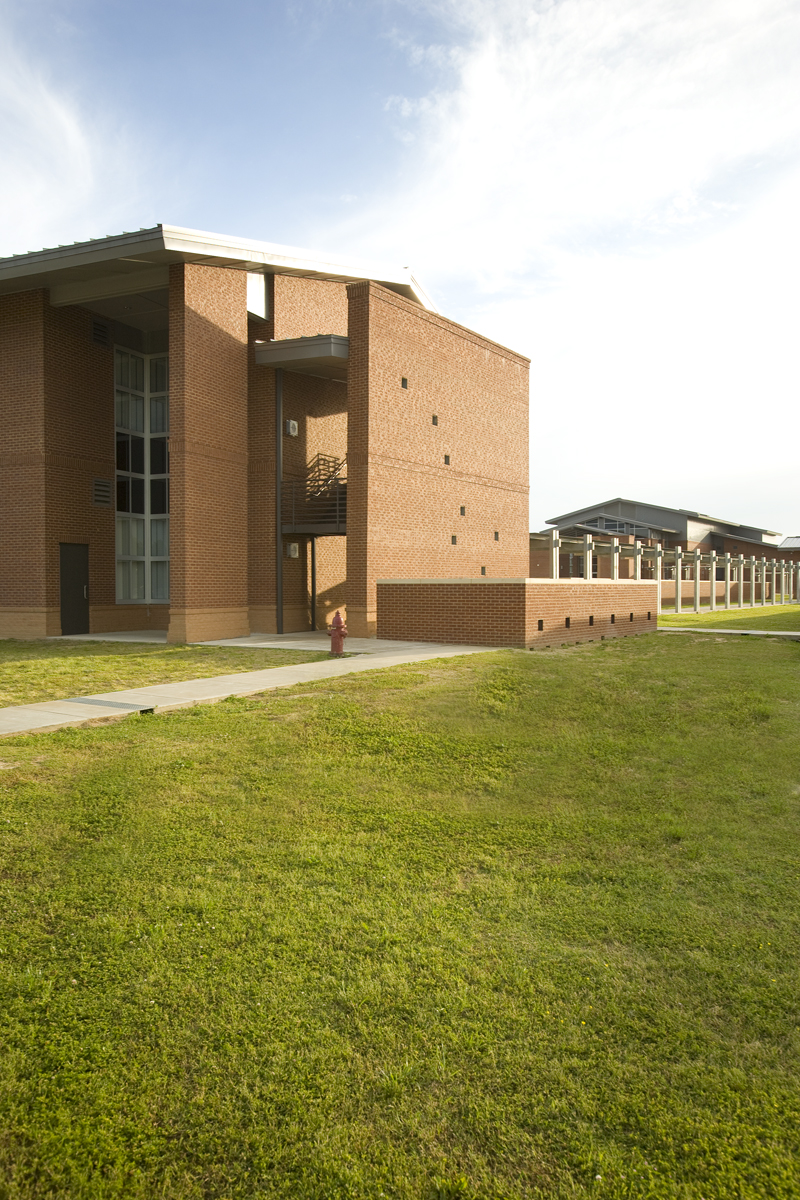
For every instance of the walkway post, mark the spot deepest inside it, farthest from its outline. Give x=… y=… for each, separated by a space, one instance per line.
x=697 y=579
x=783 y=581
x=753 y=581
x=764 y=580
x=659 y=553
x=712 y=577
x=587 y=558
x=774 y=577
x=615 y=559
x=555 y=543
x=727 y=579
x=678 y=581
x=637 y=560
x=740 y=570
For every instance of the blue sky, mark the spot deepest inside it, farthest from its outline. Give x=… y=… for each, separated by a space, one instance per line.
x=609 y=186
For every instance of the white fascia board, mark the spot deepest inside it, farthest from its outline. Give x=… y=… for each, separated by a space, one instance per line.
x=289 y=259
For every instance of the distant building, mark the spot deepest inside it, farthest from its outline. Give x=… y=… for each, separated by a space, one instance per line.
x=630 y=521
x=671 y=526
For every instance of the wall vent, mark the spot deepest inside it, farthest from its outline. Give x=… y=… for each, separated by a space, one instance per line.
x=101 y=493
x=101 y=334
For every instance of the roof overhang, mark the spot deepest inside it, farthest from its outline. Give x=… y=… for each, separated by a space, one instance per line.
x=325 y=355
x=130 y=263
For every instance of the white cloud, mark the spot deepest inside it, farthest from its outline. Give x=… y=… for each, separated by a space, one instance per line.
x=65 y=175
x=611 y=186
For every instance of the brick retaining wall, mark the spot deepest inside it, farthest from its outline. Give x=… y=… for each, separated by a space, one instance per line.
x=507 y=612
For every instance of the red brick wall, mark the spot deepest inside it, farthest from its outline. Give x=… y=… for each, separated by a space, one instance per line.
x=403 y=500
x=58 y=401
x=490 y=612
x=208 y=452
x=23 y=579
x=306 y=307
x=79 y=431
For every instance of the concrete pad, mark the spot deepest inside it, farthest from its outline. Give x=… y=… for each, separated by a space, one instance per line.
x=775 y=633
x=158 y=636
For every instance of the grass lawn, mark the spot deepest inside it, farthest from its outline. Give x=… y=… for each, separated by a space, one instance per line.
x=783 y=617
x=37 y=670
x=485 y=927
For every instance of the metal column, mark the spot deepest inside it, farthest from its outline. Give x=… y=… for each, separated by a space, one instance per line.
x=278 y=514
x=313 y=584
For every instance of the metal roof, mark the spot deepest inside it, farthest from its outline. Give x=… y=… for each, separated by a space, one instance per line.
x=684 y=512
x=103 y=267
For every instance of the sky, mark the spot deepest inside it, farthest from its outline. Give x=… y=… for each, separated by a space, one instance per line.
x=611 y=187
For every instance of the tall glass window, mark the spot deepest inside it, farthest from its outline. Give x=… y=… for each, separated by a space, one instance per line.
x=142 y=432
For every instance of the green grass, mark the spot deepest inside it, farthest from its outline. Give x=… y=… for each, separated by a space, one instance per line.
x=782 y=617
x=482 y=927
x=37 y=670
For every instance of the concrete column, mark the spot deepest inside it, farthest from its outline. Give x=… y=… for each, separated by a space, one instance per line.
x=764 y=580
x=555 y=546
x=657 y=571
x=712 y=579
x=697 y=558
x=752 y=581
x=678 y=581
x=727 y=579
x=774 y=578
x=637 y=560
x=587 y=557
x=615 y=558
x=740 y=569
x=783 y=581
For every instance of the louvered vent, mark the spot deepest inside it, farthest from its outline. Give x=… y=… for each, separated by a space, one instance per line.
x=101 y=493
x=101 y=335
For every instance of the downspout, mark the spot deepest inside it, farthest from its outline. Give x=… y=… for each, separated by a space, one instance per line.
x=313 y=584
x=278 y=513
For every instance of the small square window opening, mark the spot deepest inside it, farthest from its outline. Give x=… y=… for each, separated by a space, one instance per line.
x=613 y=619
x=497 y=535
x=631 y=616
x=404 y=382
x=463 y=510
x=447 y=460
x=591 y=620
x=483 y=570
x=566 y=622
x=435 y=419
x=540 y=625
x=453 y=539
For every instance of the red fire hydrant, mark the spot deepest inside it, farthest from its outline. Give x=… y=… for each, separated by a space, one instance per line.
x=337 y=633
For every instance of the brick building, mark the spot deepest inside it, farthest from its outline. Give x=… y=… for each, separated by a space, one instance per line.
x=214 y=436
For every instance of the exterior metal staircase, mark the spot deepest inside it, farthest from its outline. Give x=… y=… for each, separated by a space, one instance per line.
x=316 y=505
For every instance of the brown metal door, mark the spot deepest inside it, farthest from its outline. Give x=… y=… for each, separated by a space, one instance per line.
x=74 y=588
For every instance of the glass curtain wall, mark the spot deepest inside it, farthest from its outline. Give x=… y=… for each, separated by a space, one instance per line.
x=142 y=428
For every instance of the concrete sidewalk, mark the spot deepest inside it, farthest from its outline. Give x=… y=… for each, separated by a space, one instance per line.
x=370 y=654
x=792 y=636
